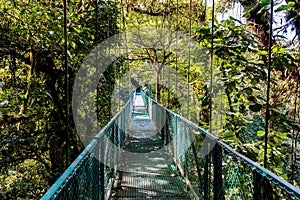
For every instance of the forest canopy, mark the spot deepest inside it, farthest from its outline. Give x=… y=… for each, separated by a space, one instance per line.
x=37 y=130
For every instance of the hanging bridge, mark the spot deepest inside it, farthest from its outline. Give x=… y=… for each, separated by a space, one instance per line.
x=148 y=152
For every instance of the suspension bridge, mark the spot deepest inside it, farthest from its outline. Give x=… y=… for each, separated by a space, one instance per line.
x=148 y=152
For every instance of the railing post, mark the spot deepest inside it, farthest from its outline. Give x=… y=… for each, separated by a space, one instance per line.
x=96 y=172
x=206 y=177
x=186 y=165
x=163 y=133
x=217 y=162
x=197 y=166
x=257 y=179
x=262 y=187
x=175 y=139
x=115 y=139
x=186 y=155
x=167 y=132
x=177 y=144
x=101 y=170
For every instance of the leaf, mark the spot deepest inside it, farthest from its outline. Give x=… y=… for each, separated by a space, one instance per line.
x=234 y=19
x=248 y=91
x=250 y=9
x=22 y=11
x=275 y=49
x=255 y=107
x=62 y=41
x=251 y=98
x=281 y=50
x=291 y=3
x=277 y=111
x=73 y=44
x=264 y=3
x=260 y=133
x=285 y=7
x=280 y=36
x=77 y=30
x=282 y=135
x=229 y=135
x=262 y=53
x=278 y=169
x=22 y=96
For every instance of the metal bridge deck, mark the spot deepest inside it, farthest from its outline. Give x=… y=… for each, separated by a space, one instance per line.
x=146 y=169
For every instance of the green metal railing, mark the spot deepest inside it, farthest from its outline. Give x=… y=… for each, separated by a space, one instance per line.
x=211 y=168
x=91 y=175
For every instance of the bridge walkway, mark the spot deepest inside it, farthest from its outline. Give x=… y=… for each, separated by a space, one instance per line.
x=147 y=170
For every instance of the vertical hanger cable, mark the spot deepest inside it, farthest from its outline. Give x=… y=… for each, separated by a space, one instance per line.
x=267 y=116
x=211 y=66
x=66 y=80
x=189 y=60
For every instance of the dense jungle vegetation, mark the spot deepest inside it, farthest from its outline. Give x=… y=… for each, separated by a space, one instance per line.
x=36 y=117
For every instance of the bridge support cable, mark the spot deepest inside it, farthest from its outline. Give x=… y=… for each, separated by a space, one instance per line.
x=267 y=117
x=189 y=60
x=97 y=61
x=66 y=79
x=176 y=45
x=207 y=158
x=294 y=140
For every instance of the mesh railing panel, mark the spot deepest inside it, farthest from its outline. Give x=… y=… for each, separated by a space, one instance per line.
x=90 y=175
x=76 y=181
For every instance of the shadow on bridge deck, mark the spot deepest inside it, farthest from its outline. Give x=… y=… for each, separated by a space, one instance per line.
x=147 y=171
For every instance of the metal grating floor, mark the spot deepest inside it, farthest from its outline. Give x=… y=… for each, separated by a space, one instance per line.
x=146 y=170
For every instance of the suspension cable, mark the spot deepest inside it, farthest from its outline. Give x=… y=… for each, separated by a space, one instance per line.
x=127 y=63
x=189 y=60
x=97 y=21
x=205 y=8
x=293 y=135
x=169 y=65
x=208 y=162
x=120 y=66
x=211 y=66
x=95 y=41
x=294 y=140
x=267 y=117
x=66 y=80
x=176 y=44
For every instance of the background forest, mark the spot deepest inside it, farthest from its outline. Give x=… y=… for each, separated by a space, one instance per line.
x=38 y=139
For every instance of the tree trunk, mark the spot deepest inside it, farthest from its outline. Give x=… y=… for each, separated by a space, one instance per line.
x=158 y=86
x=260 y=22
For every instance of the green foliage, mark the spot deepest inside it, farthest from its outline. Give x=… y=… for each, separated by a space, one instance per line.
x=33 y=105
x=242 y=64
x=285 y=7
x=30 y=176
x=32 y=96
